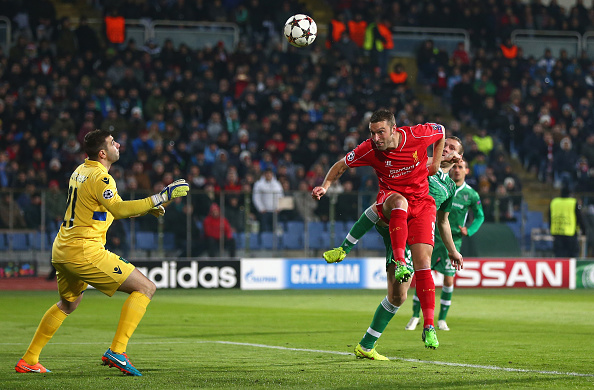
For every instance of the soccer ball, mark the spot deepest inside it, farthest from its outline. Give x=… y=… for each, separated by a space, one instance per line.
x=300 y=30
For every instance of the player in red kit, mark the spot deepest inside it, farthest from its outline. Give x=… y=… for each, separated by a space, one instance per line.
x=399 y=157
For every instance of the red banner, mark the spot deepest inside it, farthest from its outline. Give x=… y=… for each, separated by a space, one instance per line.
x=516 y=272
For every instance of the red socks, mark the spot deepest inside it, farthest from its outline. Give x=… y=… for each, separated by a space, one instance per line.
x=426 y=294
x=398 y=232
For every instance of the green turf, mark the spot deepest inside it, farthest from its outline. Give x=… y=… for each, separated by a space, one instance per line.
x=178 y=343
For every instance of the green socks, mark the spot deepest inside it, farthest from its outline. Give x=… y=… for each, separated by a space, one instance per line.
x=446 y=301
x=416 y=306
x=383 y=314
x=366 y=221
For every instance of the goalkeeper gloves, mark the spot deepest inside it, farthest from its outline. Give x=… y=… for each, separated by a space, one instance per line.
x=174 y=190
x=157 y=211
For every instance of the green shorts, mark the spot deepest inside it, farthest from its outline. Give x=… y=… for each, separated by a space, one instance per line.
x=440 y=260
x=383 y=231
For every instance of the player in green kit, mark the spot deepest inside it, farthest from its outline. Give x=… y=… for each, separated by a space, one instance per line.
x=442 y=189
x=465 y=199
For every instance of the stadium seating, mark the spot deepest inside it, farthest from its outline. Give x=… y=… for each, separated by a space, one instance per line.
x=146 y=241
x=293 y=235
x=19 y=241
x=269 y=241
x=254 y=241
x=37 y=239
x=317 y=235
x=169 y=241
x=534 y=220
x=372 y=240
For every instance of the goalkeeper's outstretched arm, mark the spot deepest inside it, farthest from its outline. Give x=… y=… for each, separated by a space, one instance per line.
x=125 y=209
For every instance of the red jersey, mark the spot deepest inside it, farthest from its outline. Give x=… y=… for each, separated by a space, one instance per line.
x=403 y=169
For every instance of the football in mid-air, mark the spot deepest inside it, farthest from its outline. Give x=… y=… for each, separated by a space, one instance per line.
x=300 y=30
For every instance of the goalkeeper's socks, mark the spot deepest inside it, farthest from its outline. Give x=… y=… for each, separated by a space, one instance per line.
x=383 y=314
x=446 y=301
x=398 y=232
x=362 y=226
x=132 y=312
x=49 y=324
x=416 y=306
x=426 y=294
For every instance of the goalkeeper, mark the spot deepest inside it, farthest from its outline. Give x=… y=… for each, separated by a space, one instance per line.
x=80 y=258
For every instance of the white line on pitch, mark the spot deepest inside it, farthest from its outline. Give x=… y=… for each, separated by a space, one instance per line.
x=464 y=365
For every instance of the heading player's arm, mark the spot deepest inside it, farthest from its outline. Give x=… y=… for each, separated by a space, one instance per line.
x=443 y=224
x=332 y=176
x=437 y=151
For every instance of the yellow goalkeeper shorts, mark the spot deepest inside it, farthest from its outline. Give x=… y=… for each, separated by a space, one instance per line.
x=88 y=263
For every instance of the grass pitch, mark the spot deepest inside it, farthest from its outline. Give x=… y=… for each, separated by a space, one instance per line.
x=231 y=339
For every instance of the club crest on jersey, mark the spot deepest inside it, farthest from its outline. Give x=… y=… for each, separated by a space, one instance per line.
x=466 y=198
x=350 y=156
x=107 y=194
x=415 y=156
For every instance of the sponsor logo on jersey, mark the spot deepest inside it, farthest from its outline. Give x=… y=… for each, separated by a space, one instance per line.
x=105 y=180
x=389 y=163
x=117 y=270
x=107 y=194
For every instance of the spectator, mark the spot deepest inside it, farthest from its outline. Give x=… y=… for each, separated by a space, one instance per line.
x=460 y=55
x=378 y=39
x=12 y=216
x=266 y=194
x=427 y=63
x=483 y=141
x=356 y=28
x=217 y=229
x=564 y=165
x=86 y=37
x=66 y=42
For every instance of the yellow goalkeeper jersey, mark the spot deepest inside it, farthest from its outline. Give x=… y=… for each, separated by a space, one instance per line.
x=93 y=203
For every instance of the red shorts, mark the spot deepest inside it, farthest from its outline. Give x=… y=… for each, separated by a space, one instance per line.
x=420 y=221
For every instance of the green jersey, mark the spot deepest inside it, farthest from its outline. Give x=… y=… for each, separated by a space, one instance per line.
x=442 y=188
x=466 y=198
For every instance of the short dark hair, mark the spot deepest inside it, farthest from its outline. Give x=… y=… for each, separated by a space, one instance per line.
x=95 y=142
x=383 y=115
x=461 y=151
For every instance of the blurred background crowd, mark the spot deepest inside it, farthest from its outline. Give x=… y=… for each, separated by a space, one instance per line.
x=269 y=118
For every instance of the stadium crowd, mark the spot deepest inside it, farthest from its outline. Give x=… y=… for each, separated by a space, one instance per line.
x=222 y=117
